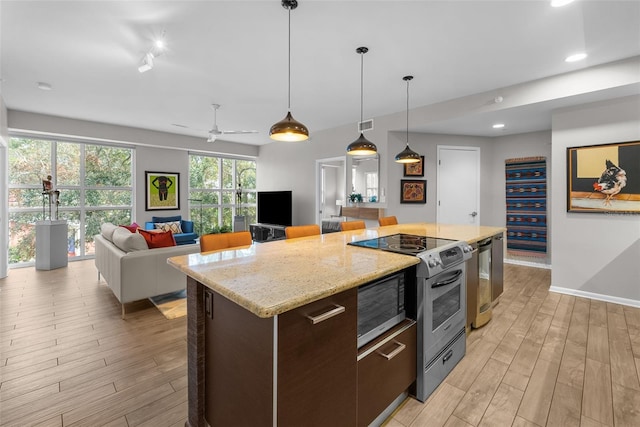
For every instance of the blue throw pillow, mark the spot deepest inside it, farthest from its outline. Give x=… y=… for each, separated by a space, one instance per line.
x=166 y=218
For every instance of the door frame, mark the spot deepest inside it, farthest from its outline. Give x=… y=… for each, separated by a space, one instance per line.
x=439 y=180
x=319 y=164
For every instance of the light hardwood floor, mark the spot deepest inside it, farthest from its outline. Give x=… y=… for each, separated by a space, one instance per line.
x=67 y=359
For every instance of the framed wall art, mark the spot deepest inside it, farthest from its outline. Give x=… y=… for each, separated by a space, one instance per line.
x=414 y=169
x=413 y=191
x=604 y=178
x=162 y=191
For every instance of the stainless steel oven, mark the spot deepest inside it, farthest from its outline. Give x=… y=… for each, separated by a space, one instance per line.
x=441 y=320
x=440 y=302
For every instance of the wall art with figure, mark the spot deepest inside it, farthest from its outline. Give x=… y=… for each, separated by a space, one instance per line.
x=162 y=191
x=604 y=178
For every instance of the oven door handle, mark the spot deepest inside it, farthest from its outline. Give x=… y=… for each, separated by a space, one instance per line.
x=456 y=276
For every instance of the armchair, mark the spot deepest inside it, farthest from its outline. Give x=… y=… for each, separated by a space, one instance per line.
x=188 y=235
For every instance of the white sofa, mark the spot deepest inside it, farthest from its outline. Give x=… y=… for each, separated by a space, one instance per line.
x=137 y=272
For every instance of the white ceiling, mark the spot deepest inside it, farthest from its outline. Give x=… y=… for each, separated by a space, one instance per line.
x=234 y=53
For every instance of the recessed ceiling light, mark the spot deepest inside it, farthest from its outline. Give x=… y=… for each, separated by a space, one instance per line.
x=498 y=126
x=576 y=57
x=560 y=3
x=44 y=86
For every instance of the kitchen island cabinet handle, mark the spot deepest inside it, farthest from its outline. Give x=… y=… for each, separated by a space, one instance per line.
x=395 y=352
x=338 y=309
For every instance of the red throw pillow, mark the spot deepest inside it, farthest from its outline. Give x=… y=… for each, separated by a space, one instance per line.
x=158 y=240
x=132 y=228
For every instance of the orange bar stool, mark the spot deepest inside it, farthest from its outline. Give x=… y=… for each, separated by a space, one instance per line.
x=387 y=220
x=295 y=231
x=216 y=241
x=352 y=225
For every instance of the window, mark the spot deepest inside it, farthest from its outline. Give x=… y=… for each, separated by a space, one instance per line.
x=219 y=189
x=95 y=183
x=371 y=179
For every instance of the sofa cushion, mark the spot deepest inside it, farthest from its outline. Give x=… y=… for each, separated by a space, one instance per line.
x=166 y=218
x=107 y=229
x=132 y=228
x=158 y=239
x=173 y=226
x=128 y=241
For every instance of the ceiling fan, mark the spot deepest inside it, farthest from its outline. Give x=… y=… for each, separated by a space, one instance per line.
x=214 y=132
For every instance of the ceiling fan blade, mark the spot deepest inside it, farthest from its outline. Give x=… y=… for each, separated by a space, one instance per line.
x=211 y=138
x=238 y=132
x=187 y=127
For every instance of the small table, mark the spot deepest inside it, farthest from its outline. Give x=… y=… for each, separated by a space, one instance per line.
x=51 y=244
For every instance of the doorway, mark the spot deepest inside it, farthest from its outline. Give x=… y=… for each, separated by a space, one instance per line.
x=458 y=185
x=330 y=187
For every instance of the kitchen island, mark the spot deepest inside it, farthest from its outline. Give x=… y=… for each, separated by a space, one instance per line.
x=267 y=368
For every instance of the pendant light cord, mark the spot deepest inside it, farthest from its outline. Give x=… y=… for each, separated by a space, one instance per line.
x=407 y=112
x=361 y=84
x=289 y=55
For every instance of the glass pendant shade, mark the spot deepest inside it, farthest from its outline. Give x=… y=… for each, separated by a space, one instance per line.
x=289 y=130
x=407 y=156
x=361 y=147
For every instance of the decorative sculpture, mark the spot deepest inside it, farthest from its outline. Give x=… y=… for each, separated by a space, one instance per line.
x=50 y=195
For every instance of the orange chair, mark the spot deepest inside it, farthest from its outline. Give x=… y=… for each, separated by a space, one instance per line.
x=295 y=231
x=387 y=220
x=213 y=242
x=352 y=225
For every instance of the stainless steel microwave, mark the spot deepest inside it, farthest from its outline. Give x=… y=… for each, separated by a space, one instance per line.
x=380 y=307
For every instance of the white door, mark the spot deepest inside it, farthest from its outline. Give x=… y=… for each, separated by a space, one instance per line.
x=458 y=185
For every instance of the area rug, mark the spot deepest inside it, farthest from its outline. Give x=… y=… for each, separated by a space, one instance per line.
x=171 y=305
x=526 y=187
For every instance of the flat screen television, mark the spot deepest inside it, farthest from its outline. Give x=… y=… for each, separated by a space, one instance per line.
x=275 y=208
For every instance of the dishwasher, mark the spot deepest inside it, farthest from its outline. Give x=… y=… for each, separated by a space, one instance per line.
x=484 y=311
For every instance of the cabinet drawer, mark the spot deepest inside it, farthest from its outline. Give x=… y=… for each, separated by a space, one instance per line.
x=317 y=363
x=387 y=369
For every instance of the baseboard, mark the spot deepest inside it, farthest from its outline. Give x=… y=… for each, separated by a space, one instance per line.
x=527 y=263
x=598 y=297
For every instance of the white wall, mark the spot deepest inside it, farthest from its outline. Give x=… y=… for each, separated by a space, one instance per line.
x=160 y=160
x=427 y=145
x=594 y=255
x=534 y=144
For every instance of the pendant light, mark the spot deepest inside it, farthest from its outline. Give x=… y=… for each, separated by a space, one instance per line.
x=361 y=146
x=407 y=155
x=289 y=129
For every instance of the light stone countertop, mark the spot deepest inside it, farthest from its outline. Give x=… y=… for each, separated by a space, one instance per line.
x=271 y=278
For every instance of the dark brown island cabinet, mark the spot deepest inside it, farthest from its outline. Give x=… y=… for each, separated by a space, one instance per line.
x=299 y=368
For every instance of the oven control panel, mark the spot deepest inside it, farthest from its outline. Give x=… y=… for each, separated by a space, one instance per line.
x=451 y=256
x=440 y=259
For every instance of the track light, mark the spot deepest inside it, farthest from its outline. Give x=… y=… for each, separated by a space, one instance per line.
x=146 y=63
